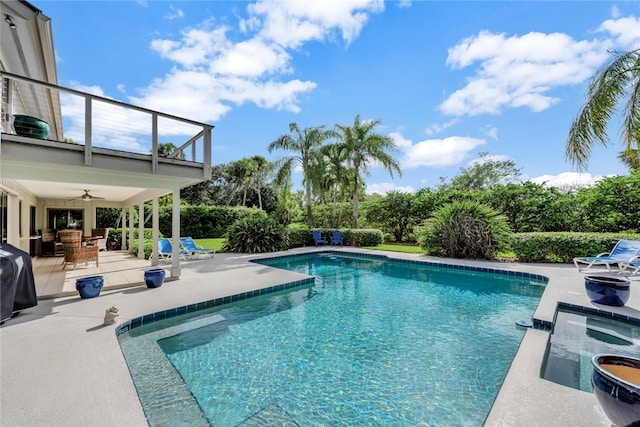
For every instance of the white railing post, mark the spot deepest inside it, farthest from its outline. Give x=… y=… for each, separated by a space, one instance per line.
x=87 y=131
x=206 y=153
x=154 y=143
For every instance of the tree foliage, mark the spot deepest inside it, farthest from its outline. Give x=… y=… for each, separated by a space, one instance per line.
x=364 y=147
x=485 y=173
x=392 y=213
x=304 y=145
x=618 y=82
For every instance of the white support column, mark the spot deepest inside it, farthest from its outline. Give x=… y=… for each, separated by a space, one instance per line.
x=141 y=230
x=175 y=234
x=123 y=235
x=131 y=223
x=155 y=226
x=13 y=221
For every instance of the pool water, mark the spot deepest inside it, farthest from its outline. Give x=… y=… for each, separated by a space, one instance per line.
x=576 y=337
x=372 y=342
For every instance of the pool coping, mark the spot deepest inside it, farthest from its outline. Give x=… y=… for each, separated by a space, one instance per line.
x=61 y=366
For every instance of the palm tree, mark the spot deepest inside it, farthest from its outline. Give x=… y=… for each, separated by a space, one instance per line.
x=304 y=143
x=630 y=158
x=365 y=147
x=613 y=83
x=337 y=160
x=259 y=173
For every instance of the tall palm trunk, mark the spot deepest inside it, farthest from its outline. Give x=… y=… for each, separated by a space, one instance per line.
x=307 y=201
x=354 y=221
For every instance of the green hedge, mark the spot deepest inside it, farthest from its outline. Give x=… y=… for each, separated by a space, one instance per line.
x=114 y=239
x=299 y=237
x=563 y=247
x=202 y=222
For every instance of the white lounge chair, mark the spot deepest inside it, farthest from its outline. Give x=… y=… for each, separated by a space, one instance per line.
x=623 y=252
x=189 y=245
x=631 y=267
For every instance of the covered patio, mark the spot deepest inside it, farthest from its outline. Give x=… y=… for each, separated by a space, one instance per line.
x=118 y=268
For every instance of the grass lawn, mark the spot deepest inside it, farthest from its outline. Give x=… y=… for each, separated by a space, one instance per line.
x=410 y=248
x=215 y=243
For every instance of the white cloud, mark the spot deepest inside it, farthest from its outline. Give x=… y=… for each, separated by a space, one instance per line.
x=174 y=13
x=518 y=71
x=214 y=72
x=625 y=31
x=567 y=180
x=435 y=152
x=437 y=127
x=290 y=23
x=385 y=187
x=491 y=132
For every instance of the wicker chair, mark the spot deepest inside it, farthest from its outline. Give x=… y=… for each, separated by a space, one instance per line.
x=74 y=252
x=48 y=241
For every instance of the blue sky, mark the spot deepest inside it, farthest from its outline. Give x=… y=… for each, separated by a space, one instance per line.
x=448 y=80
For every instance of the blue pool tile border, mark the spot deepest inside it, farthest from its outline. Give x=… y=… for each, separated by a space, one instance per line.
x=547 y=326
x=519 y=274
x=191 y=308
x=602 y=313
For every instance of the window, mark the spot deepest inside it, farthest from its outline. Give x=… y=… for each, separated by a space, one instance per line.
x=60 y=219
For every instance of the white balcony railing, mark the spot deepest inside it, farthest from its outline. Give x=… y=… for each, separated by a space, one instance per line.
x=98 y=122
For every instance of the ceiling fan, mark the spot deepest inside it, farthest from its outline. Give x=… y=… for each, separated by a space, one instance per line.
x=87 y=197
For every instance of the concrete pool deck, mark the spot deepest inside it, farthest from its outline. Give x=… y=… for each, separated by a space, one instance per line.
x=60 y=367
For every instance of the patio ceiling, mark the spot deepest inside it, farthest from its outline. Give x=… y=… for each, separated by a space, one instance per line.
x=68 y=191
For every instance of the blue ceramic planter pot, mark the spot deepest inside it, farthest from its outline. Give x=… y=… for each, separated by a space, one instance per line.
x=616 y=385
x=154 y=277
x=608 y=290
x=89 y=287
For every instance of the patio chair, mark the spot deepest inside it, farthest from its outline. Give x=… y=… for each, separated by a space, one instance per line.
x=336 y=238
x=623 y=251
x=48 y=239
x=102 y=234
x=194 y=249
x=74 y=252
x=317 y=238
x=631 y=267
x=165 y=250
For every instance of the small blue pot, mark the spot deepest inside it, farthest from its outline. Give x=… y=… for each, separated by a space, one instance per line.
x=608 y=290
x=89 y=287
x=617 y=395
x=154 y=277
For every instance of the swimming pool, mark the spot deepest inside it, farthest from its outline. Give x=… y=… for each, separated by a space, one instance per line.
x=373 y=341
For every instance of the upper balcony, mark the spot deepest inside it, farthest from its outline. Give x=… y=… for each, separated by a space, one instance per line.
x=90 y=134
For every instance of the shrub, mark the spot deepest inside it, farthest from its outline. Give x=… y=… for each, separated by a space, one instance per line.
x=205 y=221
x=256 y=234
x=563 y=247
x=465 y=229
x=362 y=237
x=114 y=239
x=148 y=247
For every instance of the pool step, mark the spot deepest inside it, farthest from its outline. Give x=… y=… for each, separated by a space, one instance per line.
x=270 y=416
